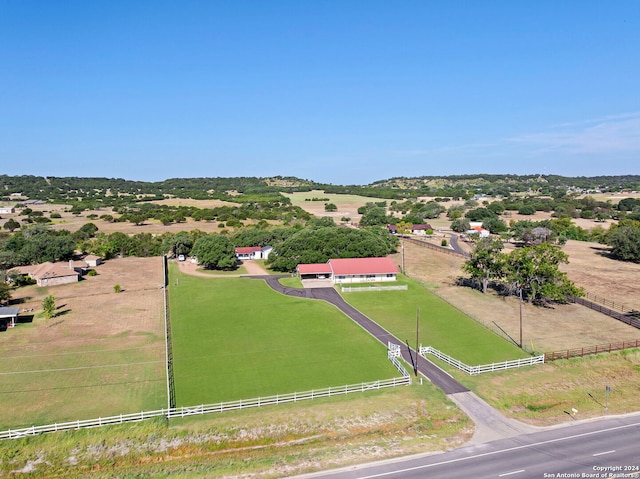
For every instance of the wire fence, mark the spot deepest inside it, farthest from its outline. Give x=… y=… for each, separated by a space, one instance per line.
x=442 y=249
x=630 y=317
x=607 y=302
x=484 y=368
x=588 y=350
x=171 y=390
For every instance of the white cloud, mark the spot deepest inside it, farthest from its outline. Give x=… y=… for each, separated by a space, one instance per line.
x=612 y=134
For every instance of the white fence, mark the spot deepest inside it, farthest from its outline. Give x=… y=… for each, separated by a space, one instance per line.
x=400 y=368
x=485 y=368
x=349 y=289
x=206 y=408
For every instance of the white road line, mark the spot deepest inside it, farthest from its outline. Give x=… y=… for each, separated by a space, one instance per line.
x=603 y=453
x=493 y=453
x=512 y=472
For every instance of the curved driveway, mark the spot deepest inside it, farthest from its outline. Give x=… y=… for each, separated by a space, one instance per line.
x=436 y=375
x=490 y=424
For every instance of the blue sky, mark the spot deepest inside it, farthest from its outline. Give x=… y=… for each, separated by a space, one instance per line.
x=345 y=92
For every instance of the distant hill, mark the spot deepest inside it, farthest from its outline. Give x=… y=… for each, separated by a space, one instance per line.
x=120 y=191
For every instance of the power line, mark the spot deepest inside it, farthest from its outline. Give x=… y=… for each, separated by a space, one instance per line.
x=79 y=368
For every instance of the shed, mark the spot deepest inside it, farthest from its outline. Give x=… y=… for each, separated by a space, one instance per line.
x=8 y=317
x=314 y=271
x=92 y=260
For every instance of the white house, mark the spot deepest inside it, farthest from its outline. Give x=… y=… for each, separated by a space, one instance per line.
x=253 y=252
x=421 y=229
x=7 y=210
x=478 y=230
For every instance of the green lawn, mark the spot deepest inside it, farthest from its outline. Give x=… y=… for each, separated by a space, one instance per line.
x=237 y=339
x=76 y=384
x=441 y=325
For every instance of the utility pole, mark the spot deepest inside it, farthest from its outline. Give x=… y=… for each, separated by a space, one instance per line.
x=520 y=317
x=417 y=330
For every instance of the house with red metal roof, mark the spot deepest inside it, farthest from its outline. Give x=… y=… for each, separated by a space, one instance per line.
x=253 y=252
x=350 y=270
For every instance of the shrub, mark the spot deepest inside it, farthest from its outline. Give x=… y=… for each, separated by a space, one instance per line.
x=527 y=210
x=49 y=306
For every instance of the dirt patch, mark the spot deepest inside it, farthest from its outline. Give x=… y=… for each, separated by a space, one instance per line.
x=251 y=267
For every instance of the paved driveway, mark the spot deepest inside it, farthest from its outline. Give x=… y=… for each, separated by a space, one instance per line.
x=490 y=424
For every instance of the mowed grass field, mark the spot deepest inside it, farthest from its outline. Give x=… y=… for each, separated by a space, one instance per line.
x=102 y=355
x=440 y=325
x=236 y=338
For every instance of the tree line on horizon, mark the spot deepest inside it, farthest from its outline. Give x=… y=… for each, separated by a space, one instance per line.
x=119 y=191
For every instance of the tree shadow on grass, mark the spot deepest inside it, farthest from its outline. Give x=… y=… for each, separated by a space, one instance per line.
x=19 y=300
x=25 y=318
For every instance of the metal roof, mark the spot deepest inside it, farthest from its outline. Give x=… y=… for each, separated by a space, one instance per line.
x=9 y=312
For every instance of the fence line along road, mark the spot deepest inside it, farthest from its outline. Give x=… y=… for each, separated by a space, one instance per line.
x=206 y=408
x=484 y=368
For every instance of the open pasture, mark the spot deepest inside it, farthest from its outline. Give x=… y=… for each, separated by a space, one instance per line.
x=347 y=204
x=440 y=325
x=236 y=338
x=103 y=354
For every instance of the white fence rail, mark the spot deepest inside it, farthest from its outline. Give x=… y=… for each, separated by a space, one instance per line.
x=400 y=368
x=485 y=368
x=206 y=408
x=352 y=289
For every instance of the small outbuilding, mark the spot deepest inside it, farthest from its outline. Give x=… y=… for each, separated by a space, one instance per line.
x=314 y=271
x=92 y=260
x=8 y=317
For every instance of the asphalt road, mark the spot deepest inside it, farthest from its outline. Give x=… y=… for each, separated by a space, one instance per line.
x=605 y=449
x=501 y=447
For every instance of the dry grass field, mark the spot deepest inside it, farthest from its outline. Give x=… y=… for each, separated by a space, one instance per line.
x=102 y=354
x=73 y=222
x=544 y=329
x=347 y=204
